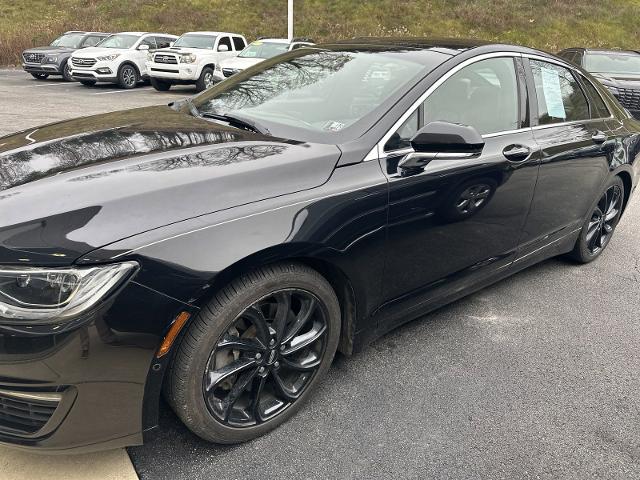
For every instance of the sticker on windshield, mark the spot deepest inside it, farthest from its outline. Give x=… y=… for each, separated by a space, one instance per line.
x=552 y=93
x=332 y=126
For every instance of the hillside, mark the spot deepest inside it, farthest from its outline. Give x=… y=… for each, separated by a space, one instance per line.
x=546 y=24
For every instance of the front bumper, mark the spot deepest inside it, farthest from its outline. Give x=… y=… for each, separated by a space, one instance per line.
x=182 y=72
x=49 y=68
x=101 y=71
x=90 y=388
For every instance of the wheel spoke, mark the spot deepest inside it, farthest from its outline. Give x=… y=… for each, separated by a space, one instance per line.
x=302 y=341
x=592 y=229
x=282 y=313
x=243 y=344
x=238 y=387
x=305 y=313
x=257 y=318
x=281 y=388
x=256 y=393
x=308 y=364
x=214 y=377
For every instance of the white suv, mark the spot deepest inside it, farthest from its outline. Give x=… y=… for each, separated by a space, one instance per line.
x=192 y=59
x=256 y=52
x=120 y=58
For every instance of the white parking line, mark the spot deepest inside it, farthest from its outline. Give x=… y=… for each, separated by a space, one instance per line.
x=122 y=91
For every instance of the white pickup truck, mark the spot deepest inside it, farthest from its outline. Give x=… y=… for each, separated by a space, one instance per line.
x=192 y=59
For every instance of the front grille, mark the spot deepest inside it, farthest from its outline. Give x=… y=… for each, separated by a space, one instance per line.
x=629 y=98
x=33 y=57
x=25 y=413
x=83 y=62
x=227 y=72
x=161 y=58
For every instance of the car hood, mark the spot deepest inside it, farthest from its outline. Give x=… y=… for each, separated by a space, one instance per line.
x=240 y=63
x=50 y=50
x=70 y=187
x=181 y=50
x=93 y=52
x=625 y=80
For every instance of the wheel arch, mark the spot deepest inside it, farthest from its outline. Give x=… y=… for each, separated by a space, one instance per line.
x=302 y=253
x=129 y=62
x=627 y=180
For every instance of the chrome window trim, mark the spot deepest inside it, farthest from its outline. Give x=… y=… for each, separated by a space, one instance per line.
x=381 y=143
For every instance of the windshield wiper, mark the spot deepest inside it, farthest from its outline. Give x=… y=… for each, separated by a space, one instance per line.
x=238 y=122
x=232 y=120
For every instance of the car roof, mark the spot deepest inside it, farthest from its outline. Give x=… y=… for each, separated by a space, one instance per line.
x=217 y=34
x=415 y=42
x=604 y=50
x=273 y=40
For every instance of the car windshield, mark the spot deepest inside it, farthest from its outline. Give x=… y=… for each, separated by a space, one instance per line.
x=612 y=63
x=316 y=94
x=120 y=41
x=69 y=40
x=196 y=41
x=261 y=49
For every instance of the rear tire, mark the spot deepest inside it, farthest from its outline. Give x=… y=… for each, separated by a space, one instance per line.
x=40 y=76
x=600 y=224
x=306 y=338
x=205 y=80
x=88 y=83
x=160 y=85
x=128 y=76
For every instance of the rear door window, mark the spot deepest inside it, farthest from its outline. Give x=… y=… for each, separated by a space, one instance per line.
x=560 y=98
x=239 y=43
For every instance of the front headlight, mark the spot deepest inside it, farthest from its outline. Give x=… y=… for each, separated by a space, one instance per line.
x=55 y=295
x=188 y=58
x=109 y=57
x=52 y=59
x=149 y=57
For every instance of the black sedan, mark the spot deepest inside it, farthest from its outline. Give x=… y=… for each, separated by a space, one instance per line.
x=618 y=70
x=222 y=249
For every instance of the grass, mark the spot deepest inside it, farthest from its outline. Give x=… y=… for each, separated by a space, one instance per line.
x=546 y=24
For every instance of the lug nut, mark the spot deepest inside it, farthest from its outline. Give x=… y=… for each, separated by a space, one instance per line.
x=261 y=370
x=272 y=342
x=258 y=356
x=282 y=347
x=276 y=365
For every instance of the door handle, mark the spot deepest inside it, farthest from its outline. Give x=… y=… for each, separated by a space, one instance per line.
x=516 y=153
x=599 y=137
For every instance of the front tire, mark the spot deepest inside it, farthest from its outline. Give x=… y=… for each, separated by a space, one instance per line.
x=205 y=80
x=128 y=76
x=254 y=353
x=66 y=71
x=601 y=223
x=160 y=85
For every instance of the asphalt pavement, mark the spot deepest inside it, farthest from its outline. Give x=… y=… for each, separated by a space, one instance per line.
x=536 y=377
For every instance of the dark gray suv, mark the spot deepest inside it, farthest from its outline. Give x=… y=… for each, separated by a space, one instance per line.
x=52 y=59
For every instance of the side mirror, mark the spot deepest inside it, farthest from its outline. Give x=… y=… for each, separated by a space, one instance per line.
x=223 y=48
x=143 y=47
x=441 y=140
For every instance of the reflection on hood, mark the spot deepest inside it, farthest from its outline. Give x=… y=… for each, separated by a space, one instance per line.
x=39 y=153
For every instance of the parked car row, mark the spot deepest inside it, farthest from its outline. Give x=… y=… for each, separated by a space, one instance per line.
x=127 y=58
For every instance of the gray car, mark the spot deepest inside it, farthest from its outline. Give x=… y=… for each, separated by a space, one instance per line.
x=53 y=59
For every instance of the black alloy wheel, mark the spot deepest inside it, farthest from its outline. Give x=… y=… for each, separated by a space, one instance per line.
x=254 y=353
x=266 y=359
x=127 y=76
x=600 y=223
